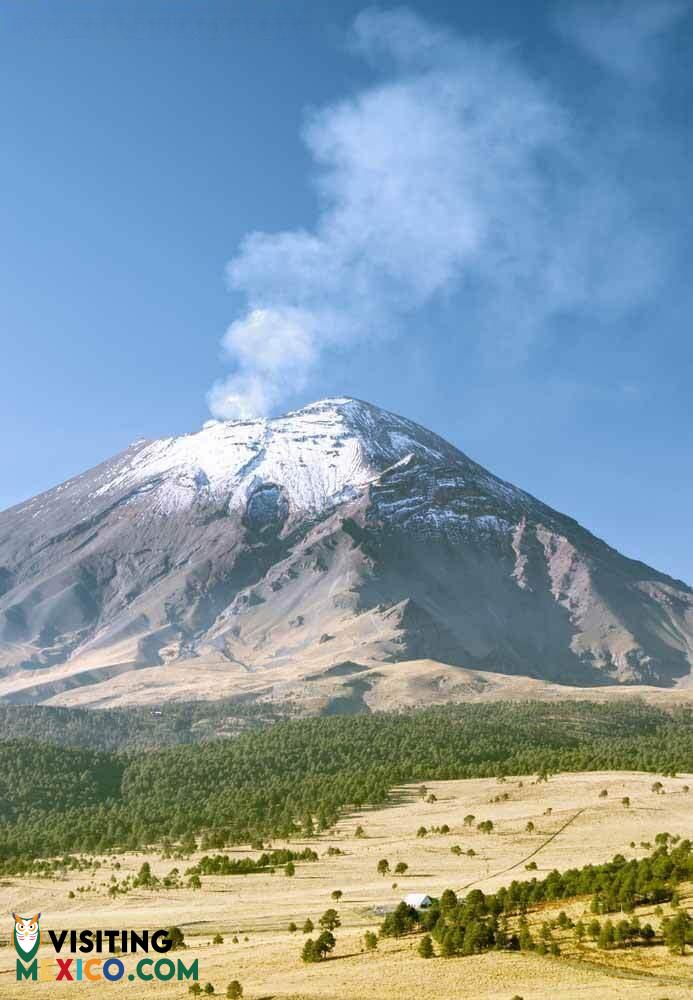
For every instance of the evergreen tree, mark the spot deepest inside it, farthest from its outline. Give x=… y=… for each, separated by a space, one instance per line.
x=606 y=935
x=325 y=944
x=370 y=941
x=309 y=952
x=448 y=945
x=678 y=932
x=329 y=920
x=426 y=947
x=176 y=937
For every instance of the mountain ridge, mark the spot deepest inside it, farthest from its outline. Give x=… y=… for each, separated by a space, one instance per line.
x=337 y=532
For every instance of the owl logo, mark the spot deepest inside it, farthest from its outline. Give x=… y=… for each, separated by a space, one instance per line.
x=27 y=935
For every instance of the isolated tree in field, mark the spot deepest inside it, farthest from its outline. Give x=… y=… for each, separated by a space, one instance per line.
x=423 y=791
x=657 y=787
x=579 y=931
x=308 y=952
x=290 y=869
x=469 y=819
x=606 y=935
x=308 y=926
x=144 y=876
x=456 y=849
x=209 y=989
x=421 y=832
x=401 y=868
x=431 y=799
x=426 y=947
x=337 y=895
x=383 y=866
x=195 y=989
x=359 y=833
x=176 y=937
x=678 y=932
x=292 y=928
x=329 y=920
x=217 y=939
x=530 y=827
x=625 y=801
x=234 y=991
x=370 y=941
x=603 y=794
x=486 y=826
x=325 y=944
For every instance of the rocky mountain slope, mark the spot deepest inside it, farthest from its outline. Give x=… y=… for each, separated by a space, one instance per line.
x=283 y=557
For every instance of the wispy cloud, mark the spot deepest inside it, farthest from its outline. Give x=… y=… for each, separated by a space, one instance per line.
x=457 y=172
x=625 y=36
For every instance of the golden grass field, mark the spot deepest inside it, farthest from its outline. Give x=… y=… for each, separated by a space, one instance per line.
x=258 y=908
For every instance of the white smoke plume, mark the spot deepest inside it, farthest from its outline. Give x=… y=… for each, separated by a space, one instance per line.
x=456 y=172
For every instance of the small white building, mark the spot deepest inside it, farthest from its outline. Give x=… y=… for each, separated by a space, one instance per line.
x=418 y=900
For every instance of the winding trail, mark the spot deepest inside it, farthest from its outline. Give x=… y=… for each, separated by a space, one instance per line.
x=523 y=861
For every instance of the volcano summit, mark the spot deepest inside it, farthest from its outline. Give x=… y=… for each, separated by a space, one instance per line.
x=312 y=557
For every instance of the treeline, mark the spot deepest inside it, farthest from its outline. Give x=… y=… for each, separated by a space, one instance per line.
x=140 y=728
x=222 y=864
x=297 y=776
x=479 y=922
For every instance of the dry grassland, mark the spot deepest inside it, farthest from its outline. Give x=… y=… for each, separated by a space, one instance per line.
x=580 y=828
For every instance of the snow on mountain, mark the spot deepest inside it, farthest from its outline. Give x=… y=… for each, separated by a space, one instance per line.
x=267 y=550
x=318 y=454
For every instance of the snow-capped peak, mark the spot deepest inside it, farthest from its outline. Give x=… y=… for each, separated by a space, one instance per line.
x=317 y=454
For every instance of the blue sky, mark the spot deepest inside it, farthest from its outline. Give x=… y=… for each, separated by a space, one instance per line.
x=477 y=215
